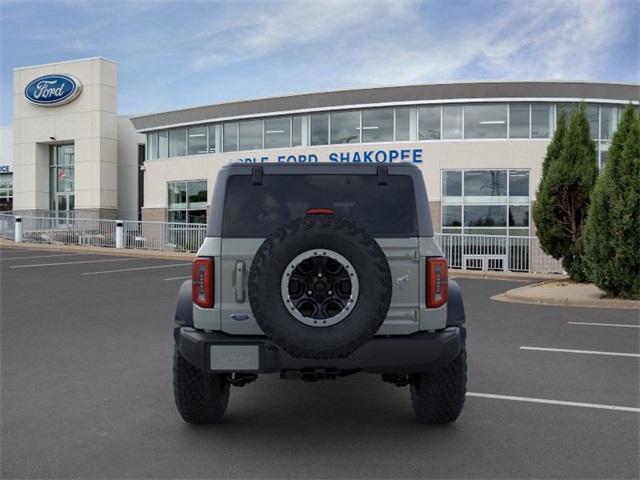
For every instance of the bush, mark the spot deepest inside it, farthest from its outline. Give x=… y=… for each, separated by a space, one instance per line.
x=569 y=174
x=612 y=233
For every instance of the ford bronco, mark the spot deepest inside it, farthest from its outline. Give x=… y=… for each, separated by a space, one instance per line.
x=317 y=272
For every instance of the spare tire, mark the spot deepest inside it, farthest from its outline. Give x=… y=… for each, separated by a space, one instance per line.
x=320 y=287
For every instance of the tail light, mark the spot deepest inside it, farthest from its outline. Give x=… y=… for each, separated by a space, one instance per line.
x=320 y=211
x=202 y=282
x=437 y=282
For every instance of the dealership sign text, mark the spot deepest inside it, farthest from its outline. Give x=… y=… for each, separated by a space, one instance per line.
x=393 y=155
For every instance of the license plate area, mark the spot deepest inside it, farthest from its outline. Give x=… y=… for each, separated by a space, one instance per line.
x=234 y=358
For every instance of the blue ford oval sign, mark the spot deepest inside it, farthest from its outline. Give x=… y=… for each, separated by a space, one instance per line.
x=53 y=90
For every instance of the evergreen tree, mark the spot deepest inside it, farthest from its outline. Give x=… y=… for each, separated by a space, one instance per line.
x=612 y=233
x=563 y=197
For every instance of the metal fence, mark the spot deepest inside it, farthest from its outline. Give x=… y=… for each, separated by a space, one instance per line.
x=7 y=226
x=69 y=231
x=466 y=252
x=496 y=253
x=164 y=236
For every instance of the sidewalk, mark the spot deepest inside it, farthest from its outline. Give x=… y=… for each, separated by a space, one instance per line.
x=128 y=252
x=565 y=293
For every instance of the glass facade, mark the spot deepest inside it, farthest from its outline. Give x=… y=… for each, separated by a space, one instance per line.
x=197 y=140
x=61 y=179
x=6 y=192
x=403 y=125
x=486 y=202
x=485 y=121
x=477 y=121
x=345 y=127
x=187 y=201
x=277 y=132
x=377 y=125
x=429 y=123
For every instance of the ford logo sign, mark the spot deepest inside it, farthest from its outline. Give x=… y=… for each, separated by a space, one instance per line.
x=53 y=90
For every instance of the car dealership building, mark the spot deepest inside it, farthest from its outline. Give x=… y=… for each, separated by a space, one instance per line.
x=479 y=145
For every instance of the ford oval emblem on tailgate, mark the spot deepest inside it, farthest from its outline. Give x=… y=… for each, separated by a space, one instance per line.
x=240 y=317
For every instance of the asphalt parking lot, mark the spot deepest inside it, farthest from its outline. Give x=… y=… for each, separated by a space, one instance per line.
x=86 y=346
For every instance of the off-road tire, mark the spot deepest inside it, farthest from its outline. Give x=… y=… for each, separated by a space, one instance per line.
x=317 y=232
x=200 y=397
x=438 y=397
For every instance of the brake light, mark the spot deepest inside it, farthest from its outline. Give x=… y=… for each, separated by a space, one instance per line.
x=319 y=211
x=202 y=282
x=437 y=282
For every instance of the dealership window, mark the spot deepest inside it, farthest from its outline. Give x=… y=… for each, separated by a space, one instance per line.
x=487 y=202
x=608 y=122
x=296 y=131
x=452 y=121
x=603 y=150
x=377 y=125
x=277 y=132
x=212 y=138
x=519 y=120
x=592 y=116
x=485 y=121
x=6 y=192
x=187 y=201
x=152 y=146
x=403 y=124
x=163 y=144
x=429 y=123
x=345 y=127
x=61 y=179
x=251 y=132
x=178 y=142
x=230 y=137
x=541 y=120
x=197 y=140
x=320 y=129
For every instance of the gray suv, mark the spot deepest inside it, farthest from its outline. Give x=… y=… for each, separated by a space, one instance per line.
x=316 y=272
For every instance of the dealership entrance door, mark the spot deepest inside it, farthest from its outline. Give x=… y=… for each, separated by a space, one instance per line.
x=61 y=181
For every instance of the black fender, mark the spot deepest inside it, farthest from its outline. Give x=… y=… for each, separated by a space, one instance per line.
x=184 y=306
x=455 y=306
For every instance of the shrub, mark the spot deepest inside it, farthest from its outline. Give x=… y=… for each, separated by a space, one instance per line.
x=612 y=233
x=563 y=198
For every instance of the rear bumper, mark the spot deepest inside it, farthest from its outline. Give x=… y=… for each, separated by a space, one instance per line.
x=400 y=354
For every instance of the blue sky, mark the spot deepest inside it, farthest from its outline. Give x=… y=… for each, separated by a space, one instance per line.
x=179 y=54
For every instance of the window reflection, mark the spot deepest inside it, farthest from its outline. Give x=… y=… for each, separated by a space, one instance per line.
x=345 y=127
x=485 y=121
x=452 y=121
x=377 y=125
x=429 y=123
x=320 y=129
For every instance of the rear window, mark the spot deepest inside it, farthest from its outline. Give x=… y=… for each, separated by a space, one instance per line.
x=257 y=210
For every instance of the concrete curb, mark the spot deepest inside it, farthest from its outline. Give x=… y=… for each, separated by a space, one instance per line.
x=511 y=276
x=570 y=296
x=125 y=252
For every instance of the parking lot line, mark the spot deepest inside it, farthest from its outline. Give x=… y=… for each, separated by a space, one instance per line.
x=152 y=267
x=554 y=402
x=588 y=352
x=41 y=256
x=74 y=263
x=605 y=324
x=177 y=278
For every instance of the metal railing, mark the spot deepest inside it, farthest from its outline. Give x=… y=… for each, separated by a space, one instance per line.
x=496 y=253
x=164 y=236
x=69 y=231
x=466 y=252
x=7 y=226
